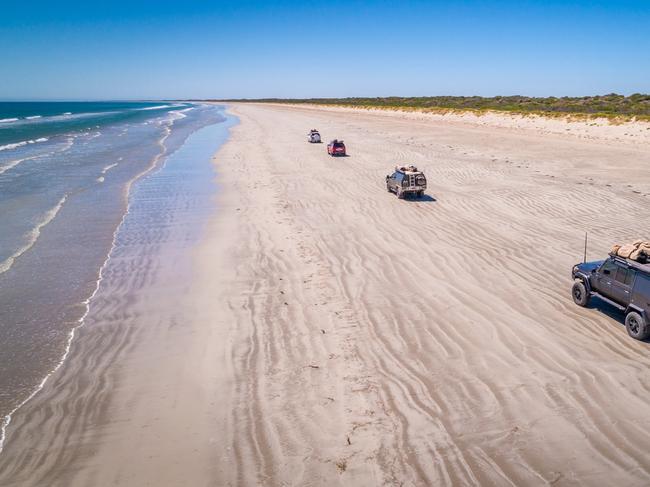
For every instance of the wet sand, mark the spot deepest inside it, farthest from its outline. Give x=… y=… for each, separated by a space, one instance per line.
x=324 y=332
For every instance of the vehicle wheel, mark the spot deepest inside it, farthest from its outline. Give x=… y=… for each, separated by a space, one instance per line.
x=388 y=189
x=636 y=326
x=580 y=294
x=420 y=194
x=400 y=194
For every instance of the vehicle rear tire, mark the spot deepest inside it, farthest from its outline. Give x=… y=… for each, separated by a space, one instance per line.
x=580 y=294
x=420 y=194
x=636 y=326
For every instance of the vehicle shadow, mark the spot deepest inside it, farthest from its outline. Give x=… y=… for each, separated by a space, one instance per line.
x=610 y=311
x=424 y=199
x=412 y=199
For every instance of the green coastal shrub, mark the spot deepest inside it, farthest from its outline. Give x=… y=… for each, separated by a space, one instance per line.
x=610 y=105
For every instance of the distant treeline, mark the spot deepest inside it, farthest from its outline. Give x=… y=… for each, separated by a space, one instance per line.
x=636 y=105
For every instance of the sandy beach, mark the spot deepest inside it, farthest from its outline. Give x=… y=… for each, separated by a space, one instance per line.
x=324 y=332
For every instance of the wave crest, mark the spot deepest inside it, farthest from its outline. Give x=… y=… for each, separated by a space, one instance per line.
x=22 y=143
x=32 y=235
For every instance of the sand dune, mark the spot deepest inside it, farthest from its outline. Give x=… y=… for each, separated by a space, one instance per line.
x=331 y=334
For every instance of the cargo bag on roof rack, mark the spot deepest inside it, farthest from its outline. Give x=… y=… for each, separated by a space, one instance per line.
x=638 y=251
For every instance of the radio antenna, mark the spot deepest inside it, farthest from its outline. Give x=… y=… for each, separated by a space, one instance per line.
x=585 y=255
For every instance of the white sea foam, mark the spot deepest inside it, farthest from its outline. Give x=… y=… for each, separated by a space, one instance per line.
x=80 y=116
x=69 y=143
x=13 y=146
x=15 y=162
x=170 y=118
x=158 y=107
x=22 y=143
x=179 y=114
x=108 y=168
x=32 y=236
x=100 y=179
x=67 y=116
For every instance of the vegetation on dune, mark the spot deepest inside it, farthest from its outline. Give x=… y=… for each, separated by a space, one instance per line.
x=612 y=105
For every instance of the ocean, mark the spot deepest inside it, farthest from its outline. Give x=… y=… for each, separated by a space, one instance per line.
x=77 y=182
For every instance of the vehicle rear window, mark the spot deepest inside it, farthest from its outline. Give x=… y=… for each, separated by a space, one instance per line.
x=338 y=144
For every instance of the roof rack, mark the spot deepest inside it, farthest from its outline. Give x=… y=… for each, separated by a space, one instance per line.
x=632 y=263
x=406 y=169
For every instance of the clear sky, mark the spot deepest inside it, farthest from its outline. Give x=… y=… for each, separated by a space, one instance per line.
x=187 y=49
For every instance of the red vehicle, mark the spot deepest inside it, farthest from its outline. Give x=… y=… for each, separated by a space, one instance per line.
x=336 y=148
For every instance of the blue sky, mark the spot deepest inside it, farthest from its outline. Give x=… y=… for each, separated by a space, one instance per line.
x=185 y=49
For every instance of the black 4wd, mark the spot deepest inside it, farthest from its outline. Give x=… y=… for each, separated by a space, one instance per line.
x=623 y=283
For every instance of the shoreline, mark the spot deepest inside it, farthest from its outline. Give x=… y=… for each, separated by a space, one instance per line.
x=154 y=166
x=328 y=333
x=6 y=421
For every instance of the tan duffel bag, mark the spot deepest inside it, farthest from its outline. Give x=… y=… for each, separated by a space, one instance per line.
x=626 y=251
x=638 y=250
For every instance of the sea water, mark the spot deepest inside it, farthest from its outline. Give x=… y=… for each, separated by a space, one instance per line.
x=68 y=174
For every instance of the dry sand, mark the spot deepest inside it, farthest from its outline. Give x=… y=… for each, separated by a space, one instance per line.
x=619 y=131
x=331 y=334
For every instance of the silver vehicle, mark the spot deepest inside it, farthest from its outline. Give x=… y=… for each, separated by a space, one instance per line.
x=313 y=136
x=406 y=180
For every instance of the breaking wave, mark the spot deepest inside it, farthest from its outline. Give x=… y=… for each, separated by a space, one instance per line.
x=32 y=236
x=15 y=145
